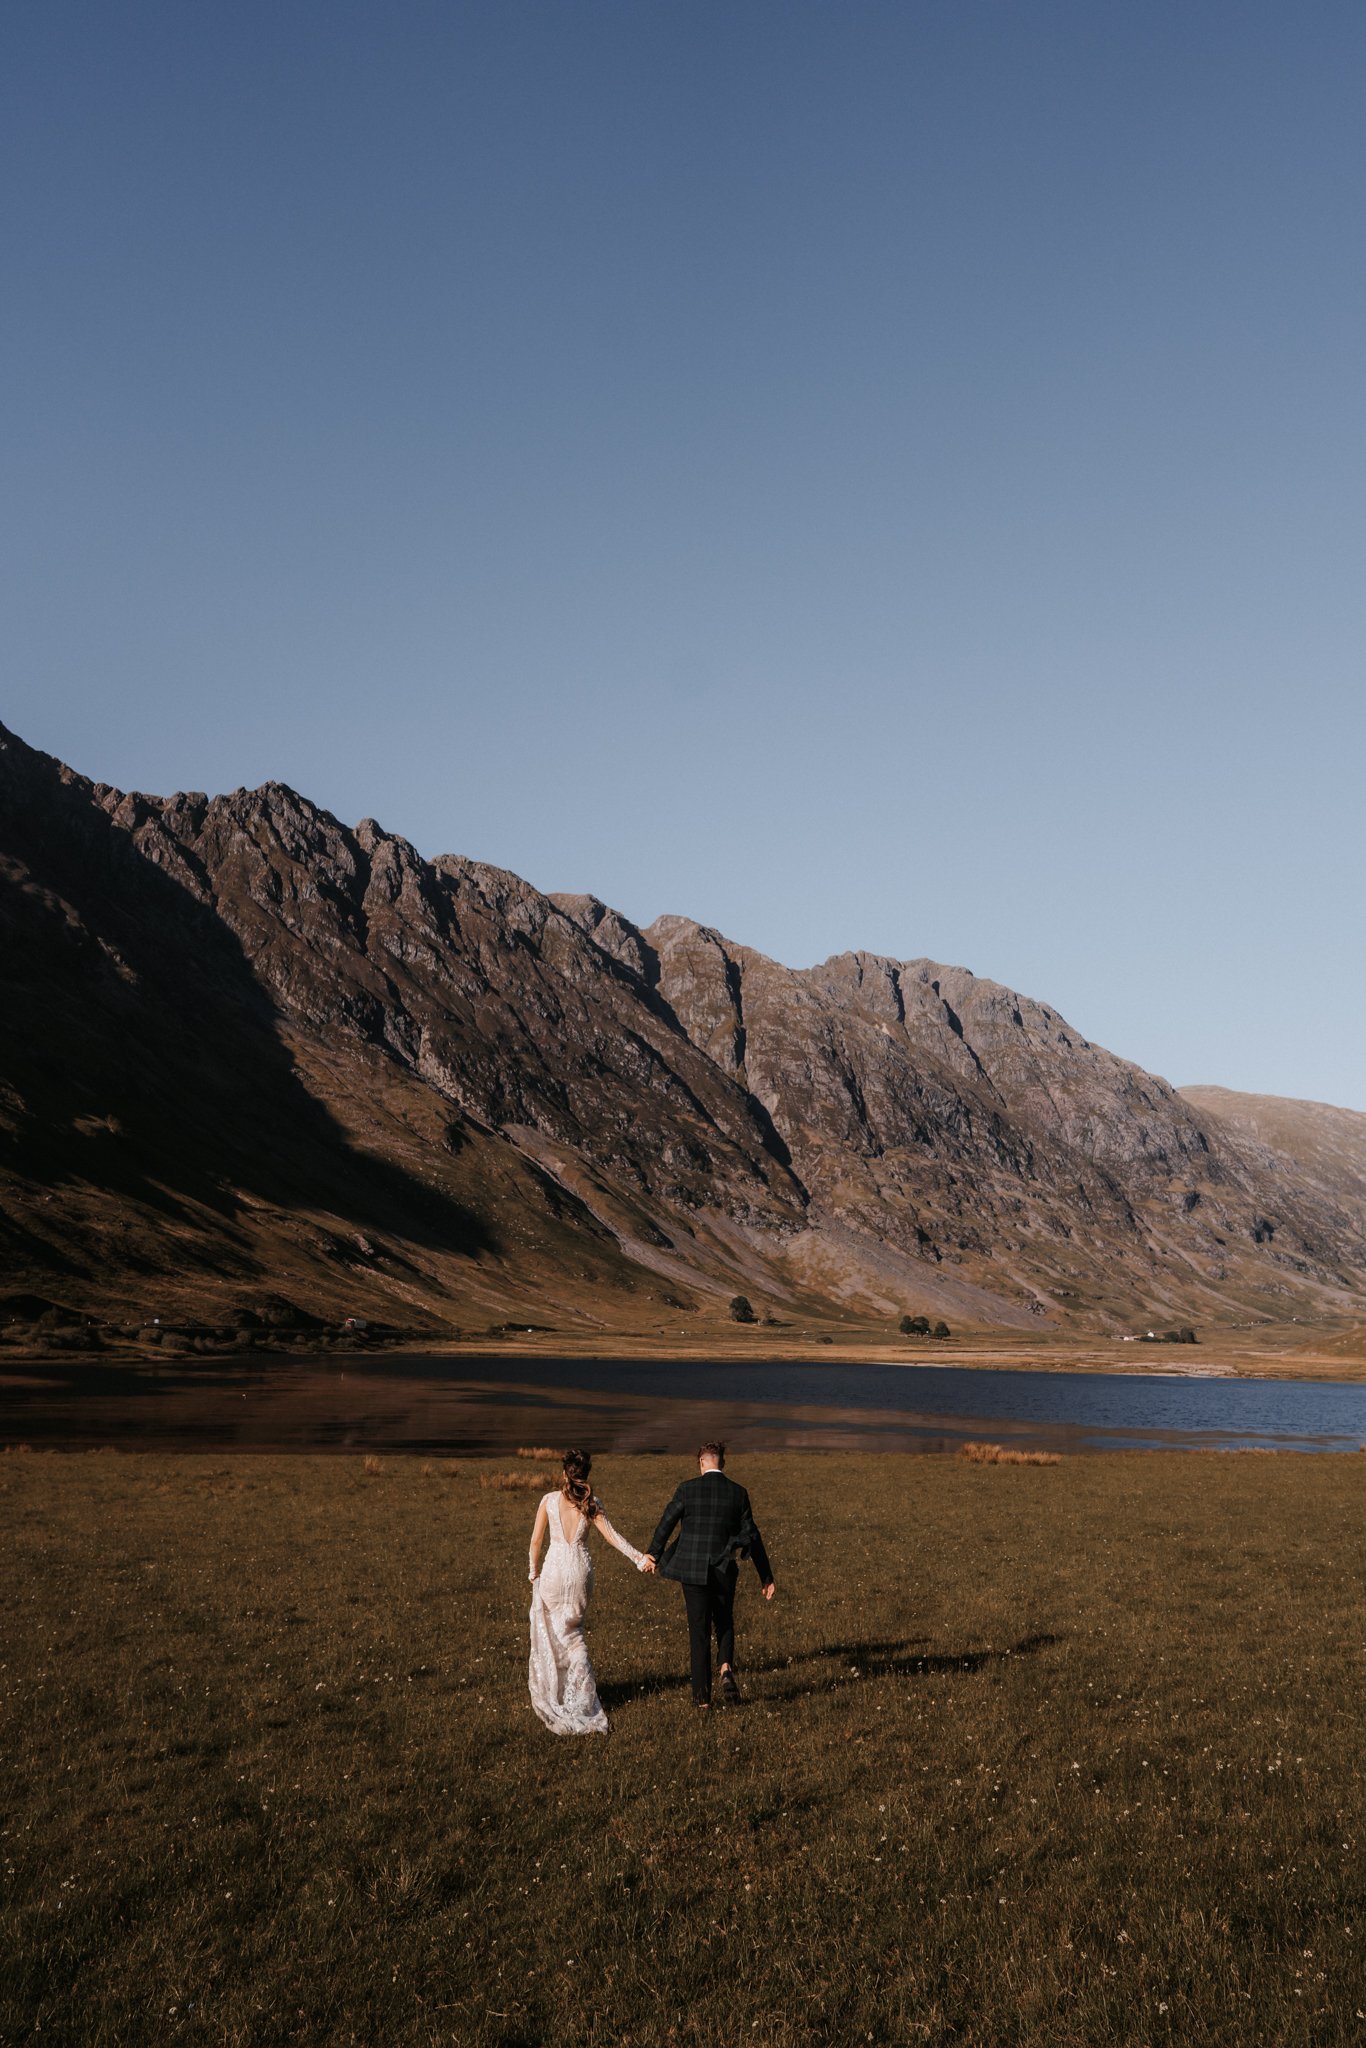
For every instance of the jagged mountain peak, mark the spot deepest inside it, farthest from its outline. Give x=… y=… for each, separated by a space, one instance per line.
x=270 y=1014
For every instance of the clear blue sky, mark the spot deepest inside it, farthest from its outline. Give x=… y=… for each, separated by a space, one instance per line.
x=882 y=475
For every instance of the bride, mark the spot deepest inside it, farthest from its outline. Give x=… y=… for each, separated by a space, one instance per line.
x=560 y=1676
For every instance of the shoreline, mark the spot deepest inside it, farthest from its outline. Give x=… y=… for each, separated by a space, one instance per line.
x=1221 y=1360
x=430 y=1461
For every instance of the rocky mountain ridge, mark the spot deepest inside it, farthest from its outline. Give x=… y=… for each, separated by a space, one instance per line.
x=240 y=1037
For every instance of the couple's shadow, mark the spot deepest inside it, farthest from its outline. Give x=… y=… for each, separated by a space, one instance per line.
x=852 y=1662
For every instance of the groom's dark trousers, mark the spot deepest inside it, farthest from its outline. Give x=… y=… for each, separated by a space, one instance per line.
x=714 y=1522
x=711 y=1607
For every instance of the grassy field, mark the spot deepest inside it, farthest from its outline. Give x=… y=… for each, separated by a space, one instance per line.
x=1064 y=1754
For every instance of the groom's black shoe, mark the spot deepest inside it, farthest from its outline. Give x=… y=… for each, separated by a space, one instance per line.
x=730 y=1691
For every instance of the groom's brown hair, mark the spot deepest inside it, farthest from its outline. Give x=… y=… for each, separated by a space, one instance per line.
x=717 y=1451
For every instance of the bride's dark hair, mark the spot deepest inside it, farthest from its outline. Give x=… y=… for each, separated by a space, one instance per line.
x=575 y=1487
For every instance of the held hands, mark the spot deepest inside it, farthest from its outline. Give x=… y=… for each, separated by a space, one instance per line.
x=647 y=1564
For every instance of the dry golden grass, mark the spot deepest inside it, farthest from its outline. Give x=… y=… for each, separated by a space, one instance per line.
x=517 y=1482
x=543 y=1452
x=372 y=1466
x=998 y=1454
x=1021 y=1764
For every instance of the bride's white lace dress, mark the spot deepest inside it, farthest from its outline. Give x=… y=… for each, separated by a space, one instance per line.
x=560 y=1677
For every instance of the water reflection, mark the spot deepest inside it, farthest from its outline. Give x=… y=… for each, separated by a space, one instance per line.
x=492 y=1405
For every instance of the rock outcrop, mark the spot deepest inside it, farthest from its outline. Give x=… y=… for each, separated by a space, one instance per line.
x=242 y=1040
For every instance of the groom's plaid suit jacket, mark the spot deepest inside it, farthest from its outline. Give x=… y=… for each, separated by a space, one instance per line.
x=716 y=1523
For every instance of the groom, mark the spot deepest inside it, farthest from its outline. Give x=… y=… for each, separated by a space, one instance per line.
x=717 y=1522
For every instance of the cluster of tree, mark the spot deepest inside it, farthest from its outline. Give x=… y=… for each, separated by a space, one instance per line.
x=742 y=1311
x=1182 y=1336
x=919 y=1326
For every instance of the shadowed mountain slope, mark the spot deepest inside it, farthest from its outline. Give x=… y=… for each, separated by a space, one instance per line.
x=243 y=1044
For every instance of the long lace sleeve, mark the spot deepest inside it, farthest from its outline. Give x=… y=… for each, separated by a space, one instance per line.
x=605 y=1529
x=533 y=1556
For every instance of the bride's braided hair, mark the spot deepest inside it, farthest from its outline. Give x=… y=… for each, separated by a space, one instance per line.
x=575 y=1486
